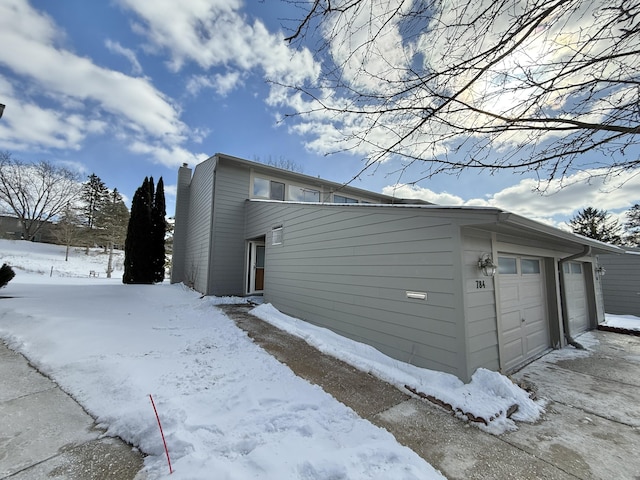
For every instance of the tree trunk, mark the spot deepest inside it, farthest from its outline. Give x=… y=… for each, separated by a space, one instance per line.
x=110 y=262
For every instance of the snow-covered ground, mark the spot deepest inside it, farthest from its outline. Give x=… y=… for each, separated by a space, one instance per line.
x=627 y=322
x=226 y=405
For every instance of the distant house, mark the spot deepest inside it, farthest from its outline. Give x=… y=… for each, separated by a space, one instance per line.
x=416 y=281
x=621 y=283
x=11 y=228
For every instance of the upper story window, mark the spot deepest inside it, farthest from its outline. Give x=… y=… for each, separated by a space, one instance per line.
x=302 y=194
x=343 y=199
x=263 y=188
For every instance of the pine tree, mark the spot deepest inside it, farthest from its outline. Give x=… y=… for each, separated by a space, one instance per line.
x=138 y=267
x=632 y=226
x=158 y=232
x=95 y=195
x=597 y=224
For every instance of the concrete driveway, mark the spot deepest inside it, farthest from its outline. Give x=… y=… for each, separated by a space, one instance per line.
x=45 y=434
x=591 y=429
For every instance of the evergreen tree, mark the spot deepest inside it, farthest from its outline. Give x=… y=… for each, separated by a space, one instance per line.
x=158 y=232
x=6 y=274
x=95 y=195
x=138 y=267
x=632 y=226
x=597 y=224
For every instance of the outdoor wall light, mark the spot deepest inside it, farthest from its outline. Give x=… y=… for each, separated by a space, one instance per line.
x=600 y=270
x=486 y=265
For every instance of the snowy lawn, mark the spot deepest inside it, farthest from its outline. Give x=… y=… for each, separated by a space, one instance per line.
x=229 y=410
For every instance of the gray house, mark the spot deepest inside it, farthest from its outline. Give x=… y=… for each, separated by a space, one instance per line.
x=621 y=284
x=446 y=288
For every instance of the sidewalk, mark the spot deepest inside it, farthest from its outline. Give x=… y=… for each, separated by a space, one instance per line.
x=45 y=434
x=595 y=436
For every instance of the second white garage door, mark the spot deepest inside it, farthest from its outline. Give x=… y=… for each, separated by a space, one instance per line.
x=523 y=312
x=576 y=292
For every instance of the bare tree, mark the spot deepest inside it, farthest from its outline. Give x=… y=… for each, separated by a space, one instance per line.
x=69 y=229
x=527 y=85
x=36 y=193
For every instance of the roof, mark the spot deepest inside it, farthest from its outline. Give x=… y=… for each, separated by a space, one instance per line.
x=496 y=220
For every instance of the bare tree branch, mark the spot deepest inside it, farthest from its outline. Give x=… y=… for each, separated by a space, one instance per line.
x=530 y=85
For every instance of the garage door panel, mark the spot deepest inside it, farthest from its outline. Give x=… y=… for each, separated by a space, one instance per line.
x=531 y=291
x=511 y=322
x=509 y=294
x=513 y=350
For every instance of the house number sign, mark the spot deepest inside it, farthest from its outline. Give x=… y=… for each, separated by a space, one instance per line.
x=480 y=284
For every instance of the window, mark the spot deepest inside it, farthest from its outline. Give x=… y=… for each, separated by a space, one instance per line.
x=341 y=199
x=507 y=265
x=530 y=265
x=576 y=268
x=263 y=188
x=276 y=235
x=302 y=194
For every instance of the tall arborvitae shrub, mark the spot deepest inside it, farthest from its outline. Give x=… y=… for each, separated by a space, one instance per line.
x=144 y=247
x=138 y=267
x=158 y=232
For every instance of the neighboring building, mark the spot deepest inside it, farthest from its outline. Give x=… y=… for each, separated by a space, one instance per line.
x=621 y=282
x=11 y=228
x=402 y=277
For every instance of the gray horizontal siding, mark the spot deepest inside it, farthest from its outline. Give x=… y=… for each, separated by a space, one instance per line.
x=198 y=241
x=349 y=268
x=481 y=327
x=227 y=265
x=621 y=284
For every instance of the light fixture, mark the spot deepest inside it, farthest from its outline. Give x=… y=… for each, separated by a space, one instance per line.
x=485 y=263
x=600 y=270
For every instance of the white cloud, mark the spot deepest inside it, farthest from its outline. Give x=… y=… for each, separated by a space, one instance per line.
x=214 y=33
x=127 y=53
x=559 y=202
x=221 y=83
x=169 y=156
x=88 y=99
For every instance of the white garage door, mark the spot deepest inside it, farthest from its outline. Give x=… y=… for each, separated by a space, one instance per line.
x=523 y=312
x=576 y=295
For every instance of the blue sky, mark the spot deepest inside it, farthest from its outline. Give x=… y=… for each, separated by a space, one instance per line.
x=130 y=88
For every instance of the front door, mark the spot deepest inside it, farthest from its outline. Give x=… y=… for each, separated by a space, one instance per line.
x=255 y=278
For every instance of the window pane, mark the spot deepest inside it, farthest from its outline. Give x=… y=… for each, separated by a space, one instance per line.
x=301 y=194
x=311 y=196
x=259 y=256
x=529 y=265
x=507 y=266
x=576 y=268
x=342 y=199
x=276 y=236
x=566 y=268
x=260 y=187
x=277 y=191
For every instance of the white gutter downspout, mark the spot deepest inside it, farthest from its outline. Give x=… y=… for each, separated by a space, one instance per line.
x=563 y=291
